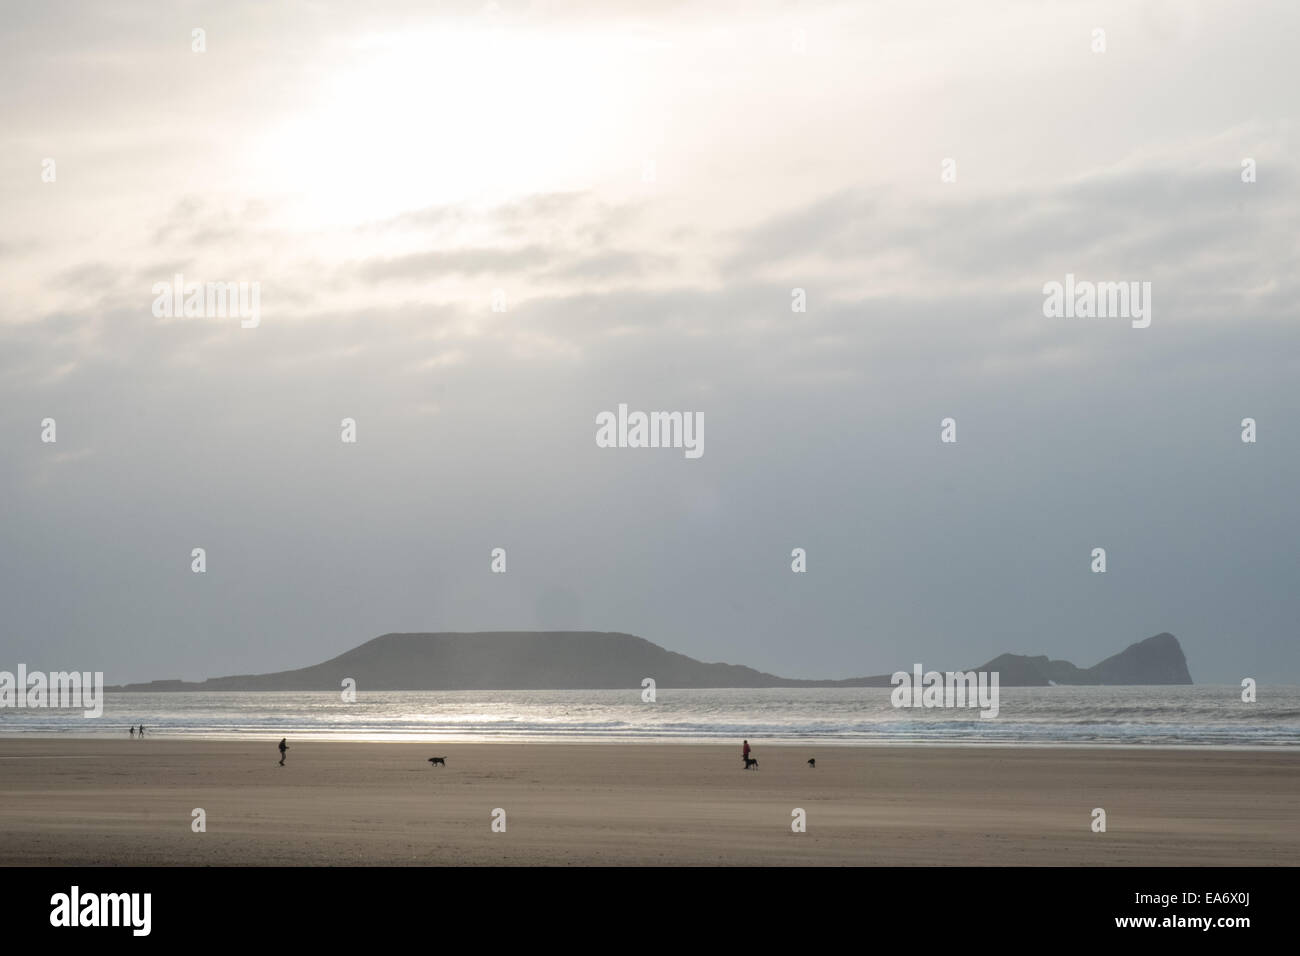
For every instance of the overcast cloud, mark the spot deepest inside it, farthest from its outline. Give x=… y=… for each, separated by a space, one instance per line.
x=645 y=189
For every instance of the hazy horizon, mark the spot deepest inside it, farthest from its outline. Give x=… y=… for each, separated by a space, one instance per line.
x=938 y=665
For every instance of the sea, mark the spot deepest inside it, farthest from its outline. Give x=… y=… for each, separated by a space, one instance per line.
x=1180 y=716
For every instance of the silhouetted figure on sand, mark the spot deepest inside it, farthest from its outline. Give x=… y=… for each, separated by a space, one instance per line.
x=283 y=747
x=744 y=752
x=133 y=731
x=142 y=731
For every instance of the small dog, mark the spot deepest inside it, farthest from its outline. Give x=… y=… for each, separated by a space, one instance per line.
x=813 y=763
x=751 y=762
x=438 y=761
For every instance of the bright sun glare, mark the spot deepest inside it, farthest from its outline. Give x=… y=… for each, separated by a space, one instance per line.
x=411 y=121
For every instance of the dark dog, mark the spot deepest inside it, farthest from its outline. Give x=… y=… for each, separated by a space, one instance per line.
x=438 y=761
x=813 y=763
x=751 y=762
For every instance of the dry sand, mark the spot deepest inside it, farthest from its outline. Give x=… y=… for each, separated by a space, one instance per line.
x=90 y=802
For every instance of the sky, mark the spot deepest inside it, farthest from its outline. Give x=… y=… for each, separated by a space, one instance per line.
x=475 y=227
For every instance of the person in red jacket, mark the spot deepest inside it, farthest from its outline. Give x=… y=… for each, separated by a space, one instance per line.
x=744 y=753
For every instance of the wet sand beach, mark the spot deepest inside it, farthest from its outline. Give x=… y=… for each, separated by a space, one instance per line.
x=99 y=802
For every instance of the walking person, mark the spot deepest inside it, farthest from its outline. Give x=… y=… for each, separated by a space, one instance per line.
x=744 y=752
x=283 y=747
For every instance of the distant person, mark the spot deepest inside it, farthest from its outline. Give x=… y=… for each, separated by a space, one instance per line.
x=744 y=752
x=133 y=731
x=142 y=731
x=283 y=747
